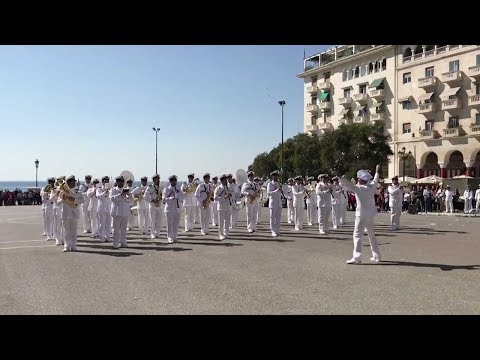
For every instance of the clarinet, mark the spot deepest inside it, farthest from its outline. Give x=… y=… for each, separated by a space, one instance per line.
x=176 y=196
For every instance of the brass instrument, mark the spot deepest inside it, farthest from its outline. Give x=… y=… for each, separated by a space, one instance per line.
x=255 y=196
x=48 y=188
x=158 y=194
x=209 y=199
x=65 y=193
x=190 y=188
x=139 y=197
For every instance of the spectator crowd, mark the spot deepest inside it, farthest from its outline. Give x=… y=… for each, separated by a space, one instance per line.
x=19 y=197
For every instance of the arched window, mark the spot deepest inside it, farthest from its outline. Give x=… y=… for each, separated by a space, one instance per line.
x=384 y=64
x=407 y=54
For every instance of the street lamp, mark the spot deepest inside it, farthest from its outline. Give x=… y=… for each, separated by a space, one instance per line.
x=404 y=156
x=156 y=148
x=36 y=172
x=282 y=104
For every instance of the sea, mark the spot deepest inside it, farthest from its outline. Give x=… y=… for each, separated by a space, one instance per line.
x=24 y=185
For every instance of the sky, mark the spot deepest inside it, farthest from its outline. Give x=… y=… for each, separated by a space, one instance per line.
x=90 y=109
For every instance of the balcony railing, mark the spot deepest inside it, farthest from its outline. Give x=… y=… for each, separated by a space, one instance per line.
x=378 y=117
x=475 y=128
x=313 y=89
x=474 y=100
x=474 y=71
x=325 y=127
x=362 y=97
x=360 y=119
x=312 y=128
x=345 y=101
x=451 y=132
x=451 y=76
x=407 y=59
x=312 y=108
x=426 y=108
x=377 y=93
x=323 y=86
x=324 y=106
x=427 y=81
x=441 y=50
x=450 y=104
x=428 y=134
x=418 y=56
x=430 y=53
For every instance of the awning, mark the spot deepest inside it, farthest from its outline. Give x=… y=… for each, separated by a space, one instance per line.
x=426 y=96
x=405 y=98
x=324 y=95
x=376 y=104
x=344 y=111
x=450 y=92
x=376 y=83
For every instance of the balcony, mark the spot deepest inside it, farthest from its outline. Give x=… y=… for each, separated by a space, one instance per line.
x=451 y=76
x=324 y=86
x=345 y=101
x=426 y=108
x=377 y=93
x=451 y=132
x=427 y=82
x=378 y=117
x=474 y=100
x=313 y=89
x=324 y=106
x=475 y=129
x=360 y=98
x=312 y=108
x=474 y=71
x=312 y=128
x=450 y=104
x=325 y=127
x=428 y=134
x=360 y=119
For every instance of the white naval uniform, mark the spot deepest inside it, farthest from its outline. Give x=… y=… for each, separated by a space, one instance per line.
x=249 y=189
x=201 y=194
x=477 y=200
x=155 y=209
x=236 y=197
x=336 y=203
x=214 y=206
x=172 y=197
x=324 y=200
x=298 y=193
x=70 y=218
x=468 y=196
x=189 y=204
x=47 y=208
x=120 y=212
x=131 y=216
x=85 y=213
x=275 y=206
x=92 y=209
x=312 y=217
x=343 y=206
x=395 y=202
x=290 y=210
x=103 y=213
x=364 y=215
x=258 y=215
x=224 y=209
x=142 y=211
x=58 y=231
x=449 y=201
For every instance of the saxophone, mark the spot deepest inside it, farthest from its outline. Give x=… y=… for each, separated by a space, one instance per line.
x=140 y=197
x=158 y=194
x=256 y=196
x=209 y=199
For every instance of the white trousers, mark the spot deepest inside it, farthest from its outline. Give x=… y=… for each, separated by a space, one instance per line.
x=396 y=212
x=205 y=220
x=360 y=225
x=336 y=215
x=86 y=218
x=196 y=214
x=468 y=206
x=299 y=210
x=343 y=213
x=252 y=212
x=477 y=206
x=155 y=220
x=214 y=212
x=58 y=230
x=104 y=225
x=224 y=222
x=173 y=223
x=290 y=212
x=449 y=205
x=323 y=215
x=70 y=229
x=48 y=219
x=143 y=220
x=233 y=217
x=312 y=216
x=94 y=222
x=275 y=218
x=119 y=229
x=131 y=220
x=189 y=217
x=259 y=213
x=44 y=220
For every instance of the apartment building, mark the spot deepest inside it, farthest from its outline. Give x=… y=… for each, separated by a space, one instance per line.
x=427 y=97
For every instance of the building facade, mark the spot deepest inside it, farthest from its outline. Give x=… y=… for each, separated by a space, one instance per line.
x=427 y=97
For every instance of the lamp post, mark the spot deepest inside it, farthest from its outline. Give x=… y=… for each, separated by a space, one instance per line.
x=36 y=172
x=282 y=104
x=404 y=156
x=156 y=148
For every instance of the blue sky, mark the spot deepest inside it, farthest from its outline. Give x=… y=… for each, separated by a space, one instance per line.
x=91 y=109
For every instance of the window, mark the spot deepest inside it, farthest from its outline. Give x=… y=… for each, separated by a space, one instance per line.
x=313 y=120
x=370 y=68
x=350 y=74
x=429 y=71
x=362 y=112
x=429 y=125
x=477 y=89
x=406 y=105
x=326 y=77
x=454 y=65
x=453 y=122
x=345 y=75
x=380 y=109
x=314 y=80
x=314 y=100
x=326 y=116
x=357 y=71
x=407 y=77
x=407 y=128
x=362 y=89
x=346 y=92
x=478 y=59
x=363 y=70
x=384 y=64
x=477 y=119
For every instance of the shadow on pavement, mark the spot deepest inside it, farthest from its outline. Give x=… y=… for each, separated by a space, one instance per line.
x=109 y=247
x=442 y=267
x=109 y=253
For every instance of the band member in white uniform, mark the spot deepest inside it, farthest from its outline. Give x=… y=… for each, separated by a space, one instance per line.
x=274 y=193
x=58 y=230
x=93 y=206
x=324 y=200
x=395 y=202
x=223 y=199
x=468 y=197
x=251 y=192
x=87 y=227
x=131 y=216
x=311 y=200
x=237 y=197
x=336 y=203
x=172 y=198
x=71 y=213
x=204 y=195
x=298 y=197
x=196 y=211
x=289 y=196
x=213 y=204
x=364 y=214
x=47 y=208
x=343 y=206
x=142 y=206
x=154 y=198
x=477 y=199
x=121 y=202
x=189 y=202
x=103 y=209
x=258 y=214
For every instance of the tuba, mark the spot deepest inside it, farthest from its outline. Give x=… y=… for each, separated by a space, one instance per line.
x=62 y=187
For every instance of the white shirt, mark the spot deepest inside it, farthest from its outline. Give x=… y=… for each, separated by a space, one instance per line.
x=324 y=195
x=103 y=198
x=223 y=203
x=73 y=213
x=142 y=203
x=298 y=193
x=120 y=203
x=274 y=194
x=152 y=193
x=477 y=195
x=84 y=189
x=249 y=189
x=172 y=198
x=311 y=192
x=189 y=198
x=46 y=202
x=202 y=191
x=289 y=193
x=395 y=195
x=93 y=201
x=336 y=195
x=448 y=195
x=365 y=196
x=468 y=194
x=237 y=194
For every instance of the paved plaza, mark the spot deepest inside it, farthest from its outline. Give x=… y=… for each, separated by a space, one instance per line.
x=431 y=266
